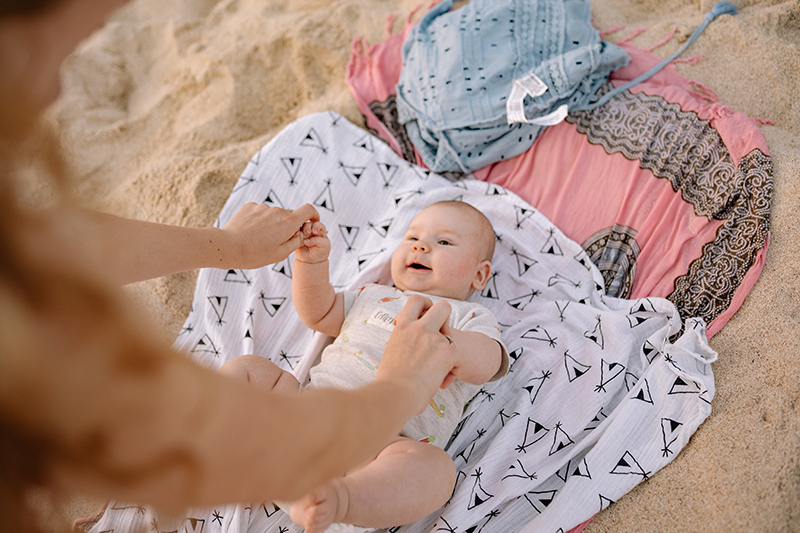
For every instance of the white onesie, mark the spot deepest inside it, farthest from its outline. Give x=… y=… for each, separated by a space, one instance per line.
x=353 y=358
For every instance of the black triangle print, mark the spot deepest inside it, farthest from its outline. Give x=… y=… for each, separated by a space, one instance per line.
x=561 y=310
x=635 y=320
x=195 y=525
x=466 y=453
x=270 y=509
x=670 y=432
x=627 y=465
x=495 y=190
x=478 y=496
x=518 y=470
x=596 y=421
x=243 y=182
x=292 y=166
x=364 y=259
x=706 y=396
x=583 y=260
x=642 y=306
x=519 y=303
x=272 y=305
x=630 y=381
x=365 y=143
x=534 y=432
x=206 y=345
x=504 y=417
x=534 y=385
x=272 y=199
x=558 y=278
x=649 y=351
x=288 y=360
x=604 y=502
x=574 y=368
x=522 y=214
x=313 y=140
x=284 y=267
x=608 y=372
x=349 y=234
x=353 y=173
x=237 y=276
x=560 y=440
x=524 y=263
x=540 y=334
x=644 y=393
x=247 y=334
x=490 y=290
x=403 y=196
x=582 y=470
x=219 y=304
x=539 y=500
x=551 y=245
x=422 y=173
x=381 y=228
x=325 y=198
x=681 y=386
x=596 y=335
x=388 y=172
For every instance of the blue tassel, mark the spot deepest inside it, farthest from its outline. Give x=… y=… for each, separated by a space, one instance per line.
x=723 y=7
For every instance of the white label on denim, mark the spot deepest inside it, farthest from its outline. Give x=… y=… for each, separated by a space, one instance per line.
x=530 y=85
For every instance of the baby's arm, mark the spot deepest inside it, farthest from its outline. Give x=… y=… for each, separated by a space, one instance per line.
x=478 y=356
x=318 y=305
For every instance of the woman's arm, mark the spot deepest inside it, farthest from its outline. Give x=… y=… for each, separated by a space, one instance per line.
x=179 y=435
x=135 y=250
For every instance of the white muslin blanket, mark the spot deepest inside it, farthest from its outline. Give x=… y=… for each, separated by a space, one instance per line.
x=601 y=394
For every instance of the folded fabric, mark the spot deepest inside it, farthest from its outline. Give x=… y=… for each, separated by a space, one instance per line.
x=668 y=191
x=479 y=84
x=598 y=397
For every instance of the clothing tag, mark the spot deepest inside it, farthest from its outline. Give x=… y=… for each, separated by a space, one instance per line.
x=530 y=85
x=553 y=118
x=382 y=319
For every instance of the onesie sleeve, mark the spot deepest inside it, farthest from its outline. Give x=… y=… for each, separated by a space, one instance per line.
x=480 y=319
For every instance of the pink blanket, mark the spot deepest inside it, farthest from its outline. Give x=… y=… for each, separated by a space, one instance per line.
x=669 y=191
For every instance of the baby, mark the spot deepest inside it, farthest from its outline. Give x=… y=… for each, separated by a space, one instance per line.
x=445 y=254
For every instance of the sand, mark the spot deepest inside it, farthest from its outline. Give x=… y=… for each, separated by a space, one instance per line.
x=163 y=107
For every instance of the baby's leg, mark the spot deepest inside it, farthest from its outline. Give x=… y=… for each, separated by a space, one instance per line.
x=407 y=481
x=260 y=372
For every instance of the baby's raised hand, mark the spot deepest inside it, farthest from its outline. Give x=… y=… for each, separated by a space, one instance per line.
x=316 y=246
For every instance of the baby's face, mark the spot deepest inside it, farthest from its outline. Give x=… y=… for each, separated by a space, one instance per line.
x=441 y=254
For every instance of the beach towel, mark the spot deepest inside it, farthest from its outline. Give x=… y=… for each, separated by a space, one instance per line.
x=602 y=391
x=667 y=190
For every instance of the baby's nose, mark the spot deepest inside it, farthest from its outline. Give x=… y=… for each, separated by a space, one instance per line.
x=421 y=246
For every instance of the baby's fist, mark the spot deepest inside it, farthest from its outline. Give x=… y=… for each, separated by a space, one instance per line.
x=316 y=246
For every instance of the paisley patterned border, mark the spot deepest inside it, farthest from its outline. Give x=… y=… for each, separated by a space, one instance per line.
x=678 y=146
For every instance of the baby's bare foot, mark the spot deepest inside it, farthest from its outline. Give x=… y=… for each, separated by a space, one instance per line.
x=322 y=507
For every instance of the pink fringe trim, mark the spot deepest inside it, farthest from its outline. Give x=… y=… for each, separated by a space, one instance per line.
x=612 y=30
x=665 y=40
x=633 y=35
x=691 y=60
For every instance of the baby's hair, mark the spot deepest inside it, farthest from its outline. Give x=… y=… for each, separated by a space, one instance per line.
x=486 y=230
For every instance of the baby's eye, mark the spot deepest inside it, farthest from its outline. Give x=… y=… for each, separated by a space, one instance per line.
x=444 y=242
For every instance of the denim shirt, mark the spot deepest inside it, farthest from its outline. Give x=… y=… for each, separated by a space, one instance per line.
x=480 y=83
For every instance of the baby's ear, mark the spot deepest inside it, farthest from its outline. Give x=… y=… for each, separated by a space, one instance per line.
x=482 y=275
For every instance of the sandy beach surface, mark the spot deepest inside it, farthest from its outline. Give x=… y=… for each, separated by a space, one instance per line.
x=162 y=108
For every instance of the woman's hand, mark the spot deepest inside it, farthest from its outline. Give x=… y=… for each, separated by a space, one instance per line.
x=258 y=234
x=417 y=352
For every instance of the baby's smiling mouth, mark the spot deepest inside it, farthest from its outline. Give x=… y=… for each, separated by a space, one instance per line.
x=417 y=266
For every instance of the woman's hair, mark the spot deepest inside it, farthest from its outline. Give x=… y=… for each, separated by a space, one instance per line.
x=24 y=7
x=53 y=314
